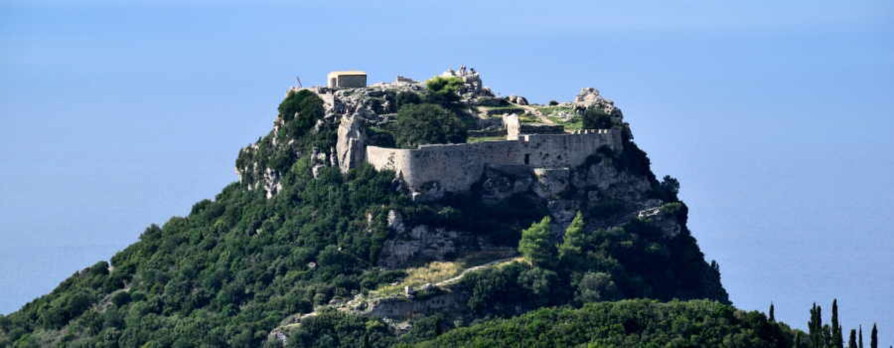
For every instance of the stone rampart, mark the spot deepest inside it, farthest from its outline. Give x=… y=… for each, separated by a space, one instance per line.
x=432 y=170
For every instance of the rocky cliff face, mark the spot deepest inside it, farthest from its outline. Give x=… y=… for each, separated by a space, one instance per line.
x=606 y=189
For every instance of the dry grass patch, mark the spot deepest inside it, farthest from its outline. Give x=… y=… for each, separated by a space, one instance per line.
x=439 y=271
x=416 y=277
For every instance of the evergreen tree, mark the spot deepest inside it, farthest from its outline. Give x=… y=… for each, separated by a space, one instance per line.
x=772 y=312
x=837 y=338
x=535 y=244
x=873 y=337
x=852 y=341
x=815 y=327
x=574 y=239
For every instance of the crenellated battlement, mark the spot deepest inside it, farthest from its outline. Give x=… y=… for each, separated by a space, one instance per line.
x=591 y=131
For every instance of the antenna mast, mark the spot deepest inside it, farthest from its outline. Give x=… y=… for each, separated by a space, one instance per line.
x=299 y=81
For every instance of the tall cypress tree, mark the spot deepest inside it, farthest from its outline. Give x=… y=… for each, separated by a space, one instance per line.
x=873 y=337
x=772 y=312
x=815 y=327
x=852 y=341
x=837 y=339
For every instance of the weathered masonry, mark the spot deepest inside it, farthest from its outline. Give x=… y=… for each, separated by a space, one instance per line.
x=456 y=167
x=346 y=79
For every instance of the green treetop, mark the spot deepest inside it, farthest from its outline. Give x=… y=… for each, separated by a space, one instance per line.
x=535 y=244
x=428 y=124
x=444 y=90
x=574 y=237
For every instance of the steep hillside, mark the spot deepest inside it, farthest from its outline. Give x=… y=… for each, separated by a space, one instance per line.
x=304 y=243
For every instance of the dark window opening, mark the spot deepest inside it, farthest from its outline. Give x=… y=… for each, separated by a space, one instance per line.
x=527 y=158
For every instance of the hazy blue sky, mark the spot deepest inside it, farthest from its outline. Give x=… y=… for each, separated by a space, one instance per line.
x=775 y=117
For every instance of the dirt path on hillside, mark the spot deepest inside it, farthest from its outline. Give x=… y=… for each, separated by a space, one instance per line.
x=533 y=111
x=482 y=113
x=472 y=269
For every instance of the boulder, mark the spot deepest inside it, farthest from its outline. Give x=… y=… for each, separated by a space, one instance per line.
x=517 y=100
x=589 y=97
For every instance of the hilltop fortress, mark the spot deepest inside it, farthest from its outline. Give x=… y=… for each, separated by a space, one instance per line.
x=432 y=170
x=512 y=163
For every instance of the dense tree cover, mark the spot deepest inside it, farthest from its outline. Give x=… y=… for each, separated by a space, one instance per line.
x=625 y=323
x=227 y=273
x=630 y=261
x=419 y=124
x=628 y=323
x=334 y=329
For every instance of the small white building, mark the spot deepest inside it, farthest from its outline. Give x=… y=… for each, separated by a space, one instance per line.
x=346 y=79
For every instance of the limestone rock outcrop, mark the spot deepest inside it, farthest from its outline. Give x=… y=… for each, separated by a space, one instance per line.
x=517 y=100
x=472 y=85
x=421 y=243
x=351 y=144
x=590 y=98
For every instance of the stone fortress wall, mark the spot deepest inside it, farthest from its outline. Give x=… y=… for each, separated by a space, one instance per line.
x=431 y=170
x=456 y=167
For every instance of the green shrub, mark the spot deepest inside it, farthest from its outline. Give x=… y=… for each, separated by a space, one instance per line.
x=595 y=287
x=596 y=118
x=406 y=98
x=428 y=124
x=300 y=111
x=444 y=90
x=120 y=298
x=541 y=284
